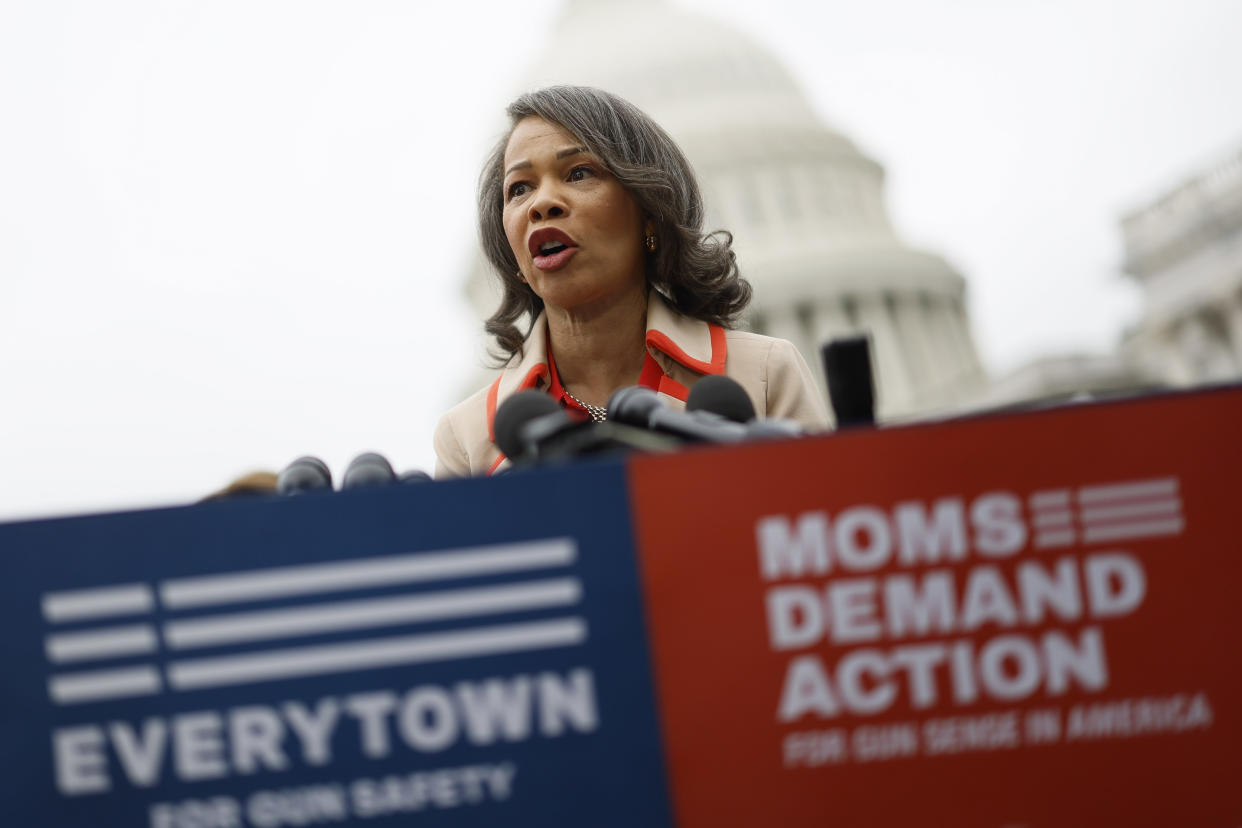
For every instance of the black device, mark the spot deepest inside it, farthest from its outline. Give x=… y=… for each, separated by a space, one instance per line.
x=306 y=474
x=641 y=407
x=851 y=385
x=723 y=396
x=368 y=469
x=531 y=428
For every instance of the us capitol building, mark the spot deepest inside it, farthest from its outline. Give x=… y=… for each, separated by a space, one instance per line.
x=1185 y=251
x=813 y=235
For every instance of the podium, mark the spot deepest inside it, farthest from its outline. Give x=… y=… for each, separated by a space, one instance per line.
x=1016 y=619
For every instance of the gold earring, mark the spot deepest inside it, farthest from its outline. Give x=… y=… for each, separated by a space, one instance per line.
x=652 y=243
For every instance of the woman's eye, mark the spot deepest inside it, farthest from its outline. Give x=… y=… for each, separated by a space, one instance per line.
x=516 y=189
x=579 y=173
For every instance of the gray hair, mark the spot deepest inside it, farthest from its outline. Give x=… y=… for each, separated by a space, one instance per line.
x=696 y=271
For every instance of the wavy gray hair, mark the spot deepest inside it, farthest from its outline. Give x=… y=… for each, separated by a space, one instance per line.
x=696 y=271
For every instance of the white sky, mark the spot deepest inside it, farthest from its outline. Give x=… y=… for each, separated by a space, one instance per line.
x=232 y=232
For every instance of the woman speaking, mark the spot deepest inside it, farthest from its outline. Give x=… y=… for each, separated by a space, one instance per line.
x=592 y=218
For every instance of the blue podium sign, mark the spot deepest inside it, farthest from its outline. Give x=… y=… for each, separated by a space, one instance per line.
x=465 y=653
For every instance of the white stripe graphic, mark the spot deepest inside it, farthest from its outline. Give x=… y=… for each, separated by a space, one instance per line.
x=1121 y=531
x=1052 y=499
x=102 y=642
x=349 y=615
x=79 y=604
x=1048 y=540
x=373 y=653
x=1054 y=520
x=1153 y=509
x=74 y=688
x=1159 y=487
x=278 y=582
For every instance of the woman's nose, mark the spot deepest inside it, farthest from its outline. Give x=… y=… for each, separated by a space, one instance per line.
x=548 y=203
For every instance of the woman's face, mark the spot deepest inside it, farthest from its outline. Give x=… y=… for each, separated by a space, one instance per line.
x=576 y=232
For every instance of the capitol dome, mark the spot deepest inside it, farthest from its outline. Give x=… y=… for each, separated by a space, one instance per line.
x=805 y=205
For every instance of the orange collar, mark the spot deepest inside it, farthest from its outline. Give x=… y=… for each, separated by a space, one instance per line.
x=692 y=343
x=650 y=377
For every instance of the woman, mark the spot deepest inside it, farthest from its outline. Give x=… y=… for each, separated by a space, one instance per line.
x=592 y=218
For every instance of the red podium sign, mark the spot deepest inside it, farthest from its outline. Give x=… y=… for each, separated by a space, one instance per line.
x=1027 y=619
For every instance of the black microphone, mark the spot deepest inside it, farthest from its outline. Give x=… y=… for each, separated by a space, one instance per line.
x=639 y=406
x=851 y=386
x=530 y=427
x=525 y=420
x=368 y=469
x=306 y=474
x=718 y=394
x=723 y=396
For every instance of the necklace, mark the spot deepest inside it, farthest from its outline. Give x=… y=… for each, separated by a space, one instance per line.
x=598 y=412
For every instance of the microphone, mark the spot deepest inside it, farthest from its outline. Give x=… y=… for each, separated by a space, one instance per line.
x=639 y=406
x=310 y=474
x=525 y=420
x=306 y=474
x=851 y=387
x=720 y=395
x=531 y=428
x=368 y=469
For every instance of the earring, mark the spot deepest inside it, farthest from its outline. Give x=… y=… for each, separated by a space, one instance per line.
x=652 y=243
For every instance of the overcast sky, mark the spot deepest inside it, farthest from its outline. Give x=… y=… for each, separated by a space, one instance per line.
x=235 y=232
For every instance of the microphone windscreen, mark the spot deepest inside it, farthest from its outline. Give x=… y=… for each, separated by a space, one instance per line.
x=368 y=469
x=851 y=388
x=415 y=476
x=633 y=405
x=721 y=395
x=306 y=474
x=516 y=412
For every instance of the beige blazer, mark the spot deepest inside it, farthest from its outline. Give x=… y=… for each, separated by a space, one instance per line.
x=771 y=370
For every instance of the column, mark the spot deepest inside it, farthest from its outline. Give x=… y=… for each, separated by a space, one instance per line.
x=893 y=386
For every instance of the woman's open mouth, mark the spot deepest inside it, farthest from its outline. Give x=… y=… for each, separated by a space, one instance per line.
x=554 y=259
x=551 y=248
